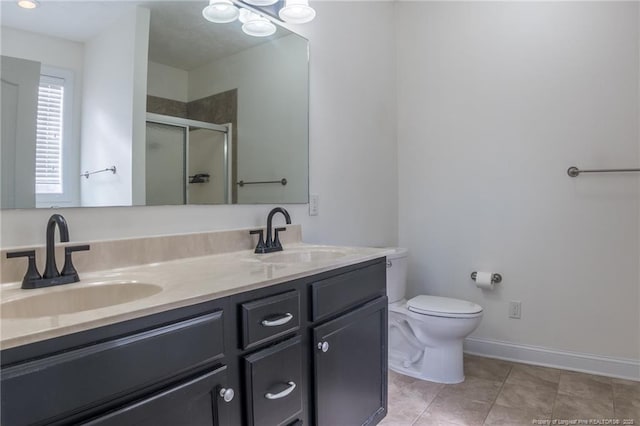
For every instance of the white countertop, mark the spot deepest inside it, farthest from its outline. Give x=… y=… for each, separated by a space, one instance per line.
x=184 y=282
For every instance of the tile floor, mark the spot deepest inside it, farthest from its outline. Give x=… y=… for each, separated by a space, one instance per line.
x=509 y=394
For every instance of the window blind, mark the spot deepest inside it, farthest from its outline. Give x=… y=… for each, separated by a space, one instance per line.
x=49 y=136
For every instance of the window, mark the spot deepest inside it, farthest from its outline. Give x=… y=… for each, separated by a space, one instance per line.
x=50 y=128
x=56 y=162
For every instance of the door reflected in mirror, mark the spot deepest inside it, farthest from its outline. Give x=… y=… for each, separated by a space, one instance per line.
x=184 y=109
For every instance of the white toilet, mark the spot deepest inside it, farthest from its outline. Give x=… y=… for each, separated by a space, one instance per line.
x=426 y=332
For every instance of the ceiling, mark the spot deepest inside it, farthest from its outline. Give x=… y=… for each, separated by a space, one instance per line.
x=179 y=36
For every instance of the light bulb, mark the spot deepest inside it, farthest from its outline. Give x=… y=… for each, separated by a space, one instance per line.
x=297 y=12
x=220 y=11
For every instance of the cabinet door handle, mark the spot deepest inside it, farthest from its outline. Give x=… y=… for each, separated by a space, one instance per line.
x=276 y=322
x=227 y=394
x=282 y=394
x=323 y=346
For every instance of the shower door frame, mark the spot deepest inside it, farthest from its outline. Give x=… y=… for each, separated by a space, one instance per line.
x=186 y=124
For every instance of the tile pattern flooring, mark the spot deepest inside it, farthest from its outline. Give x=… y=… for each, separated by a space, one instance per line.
x=509 y=394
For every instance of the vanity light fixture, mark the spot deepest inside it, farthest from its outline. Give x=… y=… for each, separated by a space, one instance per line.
x=220 y=11
x=28 y=4
x=256 y=25
x=297 y=12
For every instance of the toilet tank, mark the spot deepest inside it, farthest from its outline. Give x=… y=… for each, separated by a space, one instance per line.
x=397 y=274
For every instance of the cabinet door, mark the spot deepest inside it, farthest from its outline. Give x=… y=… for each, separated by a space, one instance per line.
x=350 y=367
x=195 y=402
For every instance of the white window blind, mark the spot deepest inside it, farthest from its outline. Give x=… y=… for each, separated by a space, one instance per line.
x=49 y=135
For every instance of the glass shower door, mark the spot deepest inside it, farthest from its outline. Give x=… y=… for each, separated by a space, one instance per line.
x=208 y=173
x=165 y=164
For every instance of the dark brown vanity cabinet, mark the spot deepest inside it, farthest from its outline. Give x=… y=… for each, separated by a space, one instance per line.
x=274 y=383
x=306 y=352
x=199 y=399
x=348 y=350
x=350 y=347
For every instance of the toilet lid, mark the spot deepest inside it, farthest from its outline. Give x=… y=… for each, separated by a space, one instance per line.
x=442 y=306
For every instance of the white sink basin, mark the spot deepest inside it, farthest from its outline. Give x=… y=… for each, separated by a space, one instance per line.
x=77 y=299
x=303 y=255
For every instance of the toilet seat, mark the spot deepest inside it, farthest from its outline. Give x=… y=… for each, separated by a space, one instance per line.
x=445 y=307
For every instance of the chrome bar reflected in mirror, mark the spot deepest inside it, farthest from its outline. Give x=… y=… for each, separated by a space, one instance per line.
x=575 y=172
x=111 y=169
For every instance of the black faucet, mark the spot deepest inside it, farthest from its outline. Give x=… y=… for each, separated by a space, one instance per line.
x=271 y=244
x=50 y=269
x=51 y=277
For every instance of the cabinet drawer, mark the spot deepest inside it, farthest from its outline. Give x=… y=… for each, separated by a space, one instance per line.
x=338 y=293
x=61 y=385
x=270 y=317
x=274 y=384
x=193 y=402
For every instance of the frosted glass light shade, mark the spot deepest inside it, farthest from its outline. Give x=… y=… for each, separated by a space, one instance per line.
x=258 y=26
x=297 y=12
x=28 y=4
x=245 y=15
x=220 y=11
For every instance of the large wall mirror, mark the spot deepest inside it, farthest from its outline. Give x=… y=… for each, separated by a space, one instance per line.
x=111 y=103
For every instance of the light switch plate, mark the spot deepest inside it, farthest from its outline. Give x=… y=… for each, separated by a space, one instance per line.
x=314 y=200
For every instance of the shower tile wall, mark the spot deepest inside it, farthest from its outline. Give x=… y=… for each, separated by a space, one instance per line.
x=166 y=106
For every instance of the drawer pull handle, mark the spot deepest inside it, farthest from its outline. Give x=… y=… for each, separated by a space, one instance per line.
x=282 y=394
x=276 y=322
x=227 y=394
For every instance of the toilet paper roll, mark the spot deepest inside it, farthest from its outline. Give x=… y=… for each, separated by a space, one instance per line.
x=483 y=280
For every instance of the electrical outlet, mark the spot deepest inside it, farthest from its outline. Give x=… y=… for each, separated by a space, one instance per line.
x=314 y=200
x=515 y=309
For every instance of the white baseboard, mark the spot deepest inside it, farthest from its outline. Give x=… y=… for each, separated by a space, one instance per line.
x=623 y=368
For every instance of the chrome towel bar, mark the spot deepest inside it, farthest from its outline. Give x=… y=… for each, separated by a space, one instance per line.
x=111 y=169
x=575 y=172
x=282 y=182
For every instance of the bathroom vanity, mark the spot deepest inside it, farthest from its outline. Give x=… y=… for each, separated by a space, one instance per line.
x=306 y=346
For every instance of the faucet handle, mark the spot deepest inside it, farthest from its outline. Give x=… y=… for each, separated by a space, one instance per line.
x=68 y=269
x=261 y=246
x=276 y=238
x=32 y=273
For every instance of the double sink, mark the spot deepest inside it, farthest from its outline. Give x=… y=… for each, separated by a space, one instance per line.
x=88 y=296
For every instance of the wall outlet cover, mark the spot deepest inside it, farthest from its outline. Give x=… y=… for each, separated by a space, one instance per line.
x=515 y=309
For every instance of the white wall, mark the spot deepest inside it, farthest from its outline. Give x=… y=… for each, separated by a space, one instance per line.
x=113 y=79
x=140 y=73
x=167 y=82
x=261 y=79
x=352 y=150
x=495 y=102
x=59 y=53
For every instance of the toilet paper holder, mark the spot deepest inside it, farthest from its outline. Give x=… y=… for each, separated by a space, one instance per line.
x=495 y=278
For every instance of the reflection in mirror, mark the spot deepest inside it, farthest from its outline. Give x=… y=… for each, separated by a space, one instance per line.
x=183 y=109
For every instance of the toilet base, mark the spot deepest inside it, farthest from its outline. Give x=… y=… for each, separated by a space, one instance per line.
x=440 y=365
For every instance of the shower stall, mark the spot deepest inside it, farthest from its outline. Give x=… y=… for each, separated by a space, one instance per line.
x=187 y=161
